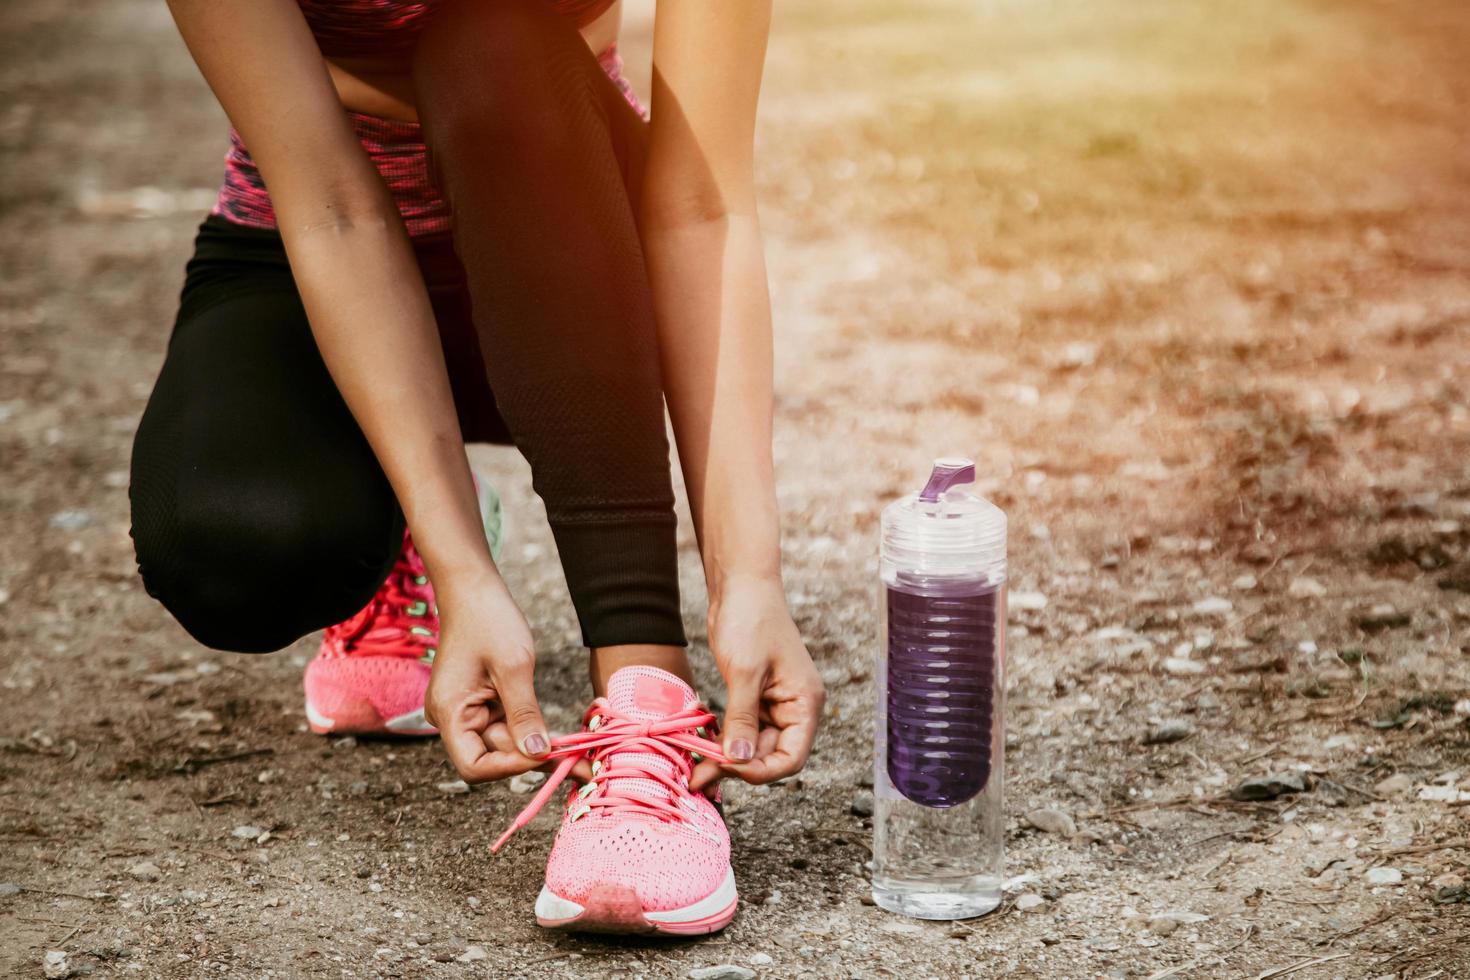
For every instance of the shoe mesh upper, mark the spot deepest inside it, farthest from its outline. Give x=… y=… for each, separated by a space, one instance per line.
x=668 y=863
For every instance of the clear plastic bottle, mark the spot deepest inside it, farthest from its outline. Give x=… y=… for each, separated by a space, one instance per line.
x=940 y=734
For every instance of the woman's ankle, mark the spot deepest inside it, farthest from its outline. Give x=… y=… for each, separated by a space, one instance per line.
x=608 y=660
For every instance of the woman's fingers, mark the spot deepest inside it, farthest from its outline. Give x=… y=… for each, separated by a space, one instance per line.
x=477 y=753
x=516 y=687
x=782 y=742
x=742 y=721
x=706 y=773
x=784 y=745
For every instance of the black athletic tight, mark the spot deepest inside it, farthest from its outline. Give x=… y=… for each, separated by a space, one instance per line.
x=259 y=511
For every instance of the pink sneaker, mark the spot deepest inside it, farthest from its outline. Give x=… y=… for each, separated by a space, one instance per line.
x=637 y=851
x=372 y=670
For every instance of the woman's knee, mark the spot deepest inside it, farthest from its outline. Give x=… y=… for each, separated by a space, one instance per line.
x=253 y=570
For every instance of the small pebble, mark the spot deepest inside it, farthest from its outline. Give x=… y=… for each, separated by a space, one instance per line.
x=1165 y=923
x=1396 y=785
x=345 y=743
x=56 y=966
x=761 y=959
x=246 y=832
x=1447 y=888
x=473 y=954
x=1381 y=617
x=1213 y=606
x=527 y=782
x=1173 y=730
x=146 y=871
x=1027 y=901
x=725 y=971
x=1269 y=787
x=1183 y=665
x=1306 y=588
x=456 y=786
x=1385 y=876
x=862 y=804
x=1034 y=601
x=1244 y=583
x=1052 y=821
x=8 y=888
x=71 y=520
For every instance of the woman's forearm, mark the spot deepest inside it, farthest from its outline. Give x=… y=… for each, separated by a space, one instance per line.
x=373 y=323
x=714 y=321
x=352 y=262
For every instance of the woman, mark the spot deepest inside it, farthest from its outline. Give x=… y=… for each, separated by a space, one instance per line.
x=490 y=242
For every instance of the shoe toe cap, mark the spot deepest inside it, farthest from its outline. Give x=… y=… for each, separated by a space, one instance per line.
x=668 y=866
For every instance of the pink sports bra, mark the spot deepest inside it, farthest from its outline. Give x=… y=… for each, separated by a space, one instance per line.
x=375 y=28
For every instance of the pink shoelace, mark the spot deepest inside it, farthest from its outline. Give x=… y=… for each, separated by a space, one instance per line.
x=613 y=741
x=400 y=620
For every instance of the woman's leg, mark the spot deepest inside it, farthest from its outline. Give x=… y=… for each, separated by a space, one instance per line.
x=259 y=511
x=537 y=153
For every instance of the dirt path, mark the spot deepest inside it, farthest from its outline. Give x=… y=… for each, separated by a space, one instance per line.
x=1190 y=280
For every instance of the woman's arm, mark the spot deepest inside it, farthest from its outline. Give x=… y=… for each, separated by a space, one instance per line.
x=372 y=321
x=707 y=266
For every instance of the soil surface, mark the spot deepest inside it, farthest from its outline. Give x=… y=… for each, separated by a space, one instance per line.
x=1191 y=280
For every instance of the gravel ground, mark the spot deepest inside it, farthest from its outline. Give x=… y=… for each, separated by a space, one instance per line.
x=1189 y=279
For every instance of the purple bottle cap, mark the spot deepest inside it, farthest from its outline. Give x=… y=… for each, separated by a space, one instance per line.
x=949 y=471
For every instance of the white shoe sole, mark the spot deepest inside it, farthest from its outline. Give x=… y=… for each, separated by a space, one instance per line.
x=410 y=723
x=618 y=910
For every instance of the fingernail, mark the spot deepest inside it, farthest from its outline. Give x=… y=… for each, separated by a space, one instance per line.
x=741 y=750
x=535 y=744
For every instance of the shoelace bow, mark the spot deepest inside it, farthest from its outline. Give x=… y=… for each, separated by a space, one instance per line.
x=609 y=740
x=400 y=620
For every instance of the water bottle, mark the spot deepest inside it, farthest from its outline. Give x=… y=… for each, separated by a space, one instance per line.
x=940 y=733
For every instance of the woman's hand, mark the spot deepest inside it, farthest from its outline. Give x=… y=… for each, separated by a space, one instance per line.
x=775 y=693
x=481 y=695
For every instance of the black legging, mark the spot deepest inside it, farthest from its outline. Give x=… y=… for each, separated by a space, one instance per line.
x=259 y=511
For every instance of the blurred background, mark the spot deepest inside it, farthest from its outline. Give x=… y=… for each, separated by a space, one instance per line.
x=1187 y=278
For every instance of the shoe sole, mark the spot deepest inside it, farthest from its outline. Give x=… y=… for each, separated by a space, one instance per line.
x=617 y=909
x=361 y=718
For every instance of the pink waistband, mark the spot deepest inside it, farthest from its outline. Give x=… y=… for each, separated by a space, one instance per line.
x=396 y=149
